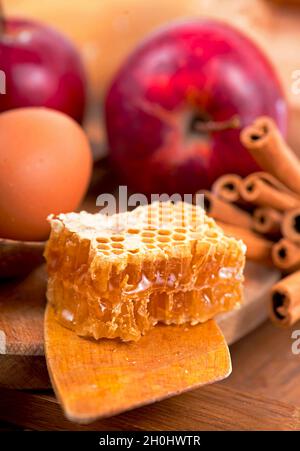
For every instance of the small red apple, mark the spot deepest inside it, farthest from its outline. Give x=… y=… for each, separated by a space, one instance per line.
x=172 y=108
x=41 y=67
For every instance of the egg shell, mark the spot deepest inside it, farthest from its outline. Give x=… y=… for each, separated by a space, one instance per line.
x=45 y=167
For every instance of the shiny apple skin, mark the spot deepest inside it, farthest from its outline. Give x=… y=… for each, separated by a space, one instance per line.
x=182 y=69
x=42 y=68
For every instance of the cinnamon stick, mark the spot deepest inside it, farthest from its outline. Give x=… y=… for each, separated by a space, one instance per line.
x=224 y=211
x=286 y=255
x=264 y=190
x=273 y=181
x=258 y=248
x=285 y=301
x=227 y=187
x=267 y=221
x=291 y=225
x=265 y=143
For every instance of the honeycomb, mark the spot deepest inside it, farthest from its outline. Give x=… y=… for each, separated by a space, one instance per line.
x=119 y=275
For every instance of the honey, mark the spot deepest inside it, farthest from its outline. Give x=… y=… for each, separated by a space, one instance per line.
x=118 y=276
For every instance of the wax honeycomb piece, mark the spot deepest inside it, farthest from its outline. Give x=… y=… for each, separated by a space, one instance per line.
x=118 y=276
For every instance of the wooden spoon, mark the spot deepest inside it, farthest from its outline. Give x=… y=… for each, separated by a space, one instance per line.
x=93 y=379
x=18 y=258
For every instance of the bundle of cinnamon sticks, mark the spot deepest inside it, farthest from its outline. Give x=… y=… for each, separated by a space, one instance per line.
x=263 y=210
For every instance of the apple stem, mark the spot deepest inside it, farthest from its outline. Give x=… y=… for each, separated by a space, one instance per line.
x=215 y=126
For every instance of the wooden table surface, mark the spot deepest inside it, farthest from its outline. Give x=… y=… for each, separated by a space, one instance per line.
x=263 y=392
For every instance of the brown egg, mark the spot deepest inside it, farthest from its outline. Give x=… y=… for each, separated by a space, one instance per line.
x=45 y=167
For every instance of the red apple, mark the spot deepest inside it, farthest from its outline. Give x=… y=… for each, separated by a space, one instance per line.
x=42 y=68
x=166 y=107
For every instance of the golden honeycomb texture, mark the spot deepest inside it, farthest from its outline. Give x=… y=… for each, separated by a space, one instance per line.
x=117 y=276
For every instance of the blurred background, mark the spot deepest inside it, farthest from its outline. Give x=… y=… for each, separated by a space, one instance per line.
x=106 y=31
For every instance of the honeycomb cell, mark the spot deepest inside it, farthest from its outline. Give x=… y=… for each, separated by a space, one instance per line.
x=133 y=231
x=133 y=251
x=150 y=246
x=147 y=240
x=164 y=232
x=117 y=246
x=179 y=237
x=163 y=239
x=117 y=238
x=102 y=240
x=148 y=234
x=117 y=251
x=103 y=247
x=180 y=230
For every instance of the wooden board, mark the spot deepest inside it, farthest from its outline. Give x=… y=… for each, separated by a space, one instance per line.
x=212 y=408
x=22 y=307
x=21 y=324
x=24 y=372
x=99 y=379
x=21 y=319
x=263 y=392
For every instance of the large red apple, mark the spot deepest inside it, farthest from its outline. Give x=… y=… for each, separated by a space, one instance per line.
x=171 y=108
x=42 y=68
